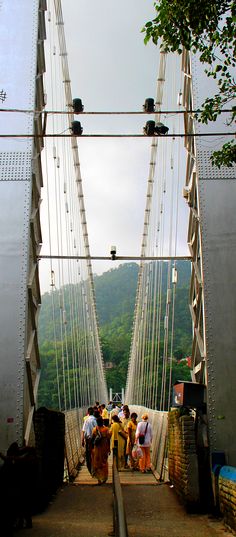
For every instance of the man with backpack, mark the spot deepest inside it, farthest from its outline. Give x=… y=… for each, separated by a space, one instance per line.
x=86 y=439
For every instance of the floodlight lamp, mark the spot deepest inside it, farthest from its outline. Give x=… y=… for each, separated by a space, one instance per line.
x=113 y=252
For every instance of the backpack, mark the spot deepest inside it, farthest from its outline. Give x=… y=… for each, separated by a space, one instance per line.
x=141 y=437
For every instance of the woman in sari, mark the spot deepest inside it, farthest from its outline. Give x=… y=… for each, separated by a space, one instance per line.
x=100 y=451
x=118 y=438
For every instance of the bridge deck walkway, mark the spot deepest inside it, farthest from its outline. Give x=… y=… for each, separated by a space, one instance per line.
x=152 y=508
x=127 y=477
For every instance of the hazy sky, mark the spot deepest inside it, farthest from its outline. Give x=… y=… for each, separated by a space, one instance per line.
x=112 y=70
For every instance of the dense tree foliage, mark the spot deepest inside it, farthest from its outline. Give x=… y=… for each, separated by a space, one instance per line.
x=210 y=29
x=115 y=294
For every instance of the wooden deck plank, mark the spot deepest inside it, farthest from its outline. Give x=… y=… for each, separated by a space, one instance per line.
x=127 y=477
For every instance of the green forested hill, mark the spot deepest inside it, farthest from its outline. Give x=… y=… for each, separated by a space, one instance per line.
x=115 y=298
x=115 y=292
x=116 y=325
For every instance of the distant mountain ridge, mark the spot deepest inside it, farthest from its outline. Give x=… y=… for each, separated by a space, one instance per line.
x=115 y=293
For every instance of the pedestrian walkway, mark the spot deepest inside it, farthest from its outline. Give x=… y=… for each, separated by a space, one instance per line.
x=75 y=512
x=127 y=477
x=157 y=512
x=151 y=511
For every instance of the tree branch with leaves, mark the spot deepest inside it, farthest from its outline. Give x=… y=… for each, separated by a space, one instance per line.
x=209 y=28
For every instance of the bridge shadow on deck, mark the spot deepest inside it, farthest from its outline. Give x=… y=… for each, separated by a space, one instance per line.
x=84 y=509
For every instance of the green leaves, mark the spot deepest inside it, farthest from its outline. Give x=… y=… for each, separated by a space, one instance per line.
x=198 y=26
x=226 y=156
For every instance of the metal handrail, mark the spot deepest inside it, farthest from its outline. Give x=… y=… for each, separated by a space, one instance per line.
x=120 y=524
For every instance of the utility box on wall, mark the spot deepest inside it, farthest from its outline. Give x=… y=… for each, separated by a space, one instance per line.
x=189 y=394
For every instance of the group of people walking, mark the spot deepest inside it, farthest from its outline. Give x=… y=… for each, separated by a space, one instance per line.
x=113 y=429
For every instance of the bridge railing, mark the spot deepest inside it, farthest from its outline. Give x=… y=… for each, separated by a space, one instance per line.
x=120 y=523
x=74 y=452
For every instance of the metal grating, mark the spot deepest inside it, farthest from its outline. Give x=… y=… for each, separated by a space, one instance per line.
x=15 y=166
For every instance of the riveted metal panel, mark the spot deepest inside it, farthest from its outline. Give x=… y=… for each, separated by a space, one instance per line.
x=15 y=166
x=216 y=191
x=18 y=65
x=218 y=228
x=13 y=304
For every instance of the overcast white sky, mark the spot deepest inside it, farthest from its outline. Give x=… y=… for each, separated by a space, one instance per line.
x=111 y=70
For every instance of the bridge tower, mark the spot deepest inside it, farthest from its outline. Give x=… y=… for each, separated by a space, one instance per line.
x=211 y=195
x=22 y=34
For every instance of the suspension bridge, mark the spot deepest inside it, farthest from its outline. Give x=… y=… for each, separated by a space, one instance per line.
x=194 y=449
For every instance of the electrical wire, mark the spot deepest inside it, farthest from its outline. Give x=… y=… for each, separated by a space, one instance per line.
x=119 y=135
x=84 y=113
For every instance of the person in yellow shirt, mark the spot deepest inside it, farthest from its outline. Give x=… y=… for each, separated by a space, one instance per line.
x=105 y=415
x=131 y=428
x=118 y=437
x=125 y=421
